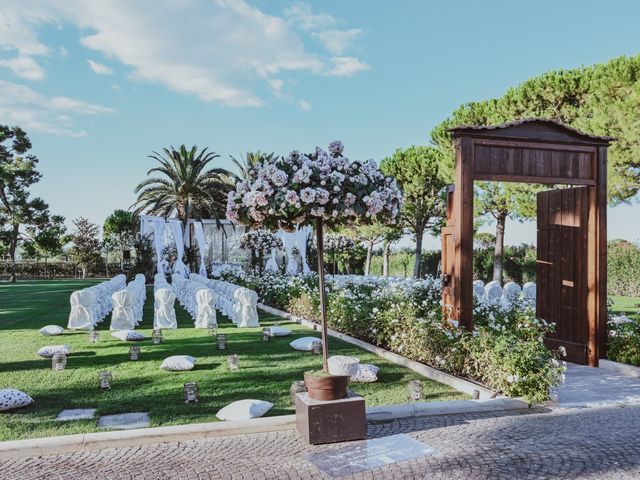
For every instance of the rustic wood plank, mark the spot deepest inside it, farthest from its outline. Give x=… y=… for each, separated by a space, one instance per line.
x=493 y=177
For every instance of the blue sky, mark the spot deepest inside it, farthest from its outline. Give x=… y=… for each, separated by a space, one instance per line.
x=99 y=85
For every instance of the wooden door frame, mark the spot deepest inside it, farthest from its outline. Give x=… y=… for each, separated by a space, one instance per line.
x=531 y=151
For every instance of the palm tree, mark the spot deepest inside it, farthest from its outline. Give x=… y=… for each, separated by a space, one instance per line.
x=185 y=186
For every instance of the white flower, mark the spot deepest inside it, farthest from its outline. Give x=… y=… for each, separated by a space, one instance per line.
x=279 y=178
x=308 y=195
x=291 y=197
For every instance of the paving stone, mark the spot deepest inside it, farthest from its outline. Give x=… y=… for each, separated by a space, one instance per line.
x=76 y=414
x=124 y=421
x=598 y=443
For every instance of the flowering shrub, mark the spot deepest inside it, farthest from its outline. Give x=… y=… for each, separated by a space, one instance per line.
x=623 y=339
x=336 y=244
x=283 y=192
x=260 y=242
x=505 y=351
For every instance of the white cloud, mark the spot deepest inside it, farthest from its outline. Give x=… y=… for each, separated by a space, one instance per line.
x=20 y=105
x=337 y=41
x=301 y=15
x=99 y=68
x=276 y=86
x=24 y=67
x=304 y=105
x=217 y=50
x=346 y=67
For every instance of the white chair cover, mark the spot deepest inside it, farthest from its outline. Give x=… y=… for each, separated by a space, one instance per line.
x=164 y=315
x=82 y=316
x=248 y=311
x=123 y=316
x=478 y=289
x=206 y=313
x=510 y=293
x=529 y=291
x=493 y=292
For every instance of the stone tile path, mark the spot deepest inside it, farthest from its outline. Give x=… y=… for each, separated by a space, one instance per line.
x=76 y=414
x=124 y=421
x=586 y=443
x=586 y=386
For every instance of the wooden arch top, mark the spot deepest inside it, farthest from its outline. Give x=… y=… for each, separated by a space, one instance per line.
x=532 y=150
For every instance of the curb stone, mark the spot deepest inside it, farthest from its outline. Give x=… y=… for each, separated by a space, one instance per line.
x=178 y=433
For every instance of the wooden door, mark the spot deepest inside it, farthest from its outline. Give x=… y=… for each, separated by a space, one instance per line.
x=448 y=271
x=562 y=281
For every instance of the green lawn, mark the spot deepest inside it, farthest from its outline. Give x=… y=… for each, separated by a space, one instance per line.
x=627 y=305
x=266 y=369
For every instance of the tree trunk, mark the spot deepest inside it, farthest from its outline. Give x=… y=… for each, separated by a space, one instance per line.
x=418 y=265
x=323 y=297
x=84 y=271
x=367 y=265
x=46 y=270
x=386 y=253
x=499 y=251
x=13 y=245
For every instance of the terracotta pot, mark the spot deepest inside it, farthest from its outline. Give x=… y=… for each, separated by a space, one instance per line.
x=329 y=387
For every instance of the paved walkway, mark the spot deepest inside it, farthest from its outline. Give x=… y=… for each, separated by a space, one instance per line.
x=595 y=443
x=586 y=386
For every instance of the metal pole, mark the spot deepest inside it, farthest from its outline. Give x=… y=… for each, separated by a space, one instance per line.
x=323 y=297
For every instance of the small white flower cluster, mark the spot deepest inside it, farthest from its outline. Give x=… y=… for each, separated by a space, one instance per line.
x=287 y=191
x=260 y=241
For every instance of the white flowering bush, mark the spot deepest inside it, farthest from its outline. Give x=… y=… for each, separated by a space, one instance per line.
x=260 y=242
x=505 y=351
x=283 y=192
x=623 y=338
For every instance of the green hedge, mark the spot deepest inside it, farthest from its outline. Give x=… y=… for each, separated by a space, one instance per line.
x=624 y=268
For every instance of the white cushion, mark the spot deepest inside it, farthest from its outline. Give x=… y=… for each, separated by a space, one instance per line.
x=366 y=373
x=130 y=335
x=343 y=365
x=178 y=363
x=11 y=398
x=50 y=350
x=244 y=410
x=51 y=330
x=279 y=331
x=304 y=344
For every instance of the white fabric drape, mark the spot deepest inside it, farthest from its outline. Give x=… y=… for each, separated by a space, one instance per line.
x=164 y=313
x=272 y=264
x=176 y=229
x=289 y=240
x=301 y=237
x=202 y=245
x=158 y=243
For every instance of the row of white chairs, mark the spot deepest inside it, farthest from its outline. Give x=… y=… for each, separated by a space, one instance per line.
x=128 y=305
x=494 y=293
x=164 y=312
x=237 y=303
x=196 y=299
x=91 y=305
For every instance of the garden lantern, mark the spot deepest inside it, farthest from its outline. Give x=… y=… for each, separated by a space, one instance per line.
x=415 y=390
x=93 y=336
x=266 y=334
x=58 y=361
x=191 y=392
x=297 y=386
x=222 y=342
x=134 y=352
x=213 y=331
x=233 y=362
x=316 y=347
x=105 y=380
x=156 y=336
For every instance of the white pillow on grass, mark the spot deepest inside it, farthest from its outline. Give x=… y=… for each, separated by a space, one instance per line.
x=244 y=410
x=128 y=335
x=304 y=344
x=343 y=365
x=51 y=330
x=50 y=350
x=367 y=373
x=178 y=363
x=11 y=398
x=277 y=331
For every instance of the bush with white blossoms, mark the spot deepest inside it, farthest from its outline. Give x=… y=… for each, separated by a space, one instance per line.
x=623 y=342
x=335 y=244
x=283 y=192
x=260 y=242
x=505 y=351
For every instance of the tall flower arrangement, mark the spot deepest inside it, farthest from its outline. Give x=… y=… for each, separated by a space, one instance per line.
x=260 y=243
x=324 y=188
